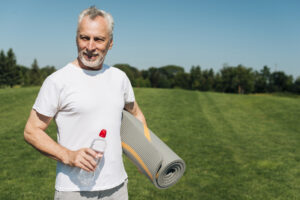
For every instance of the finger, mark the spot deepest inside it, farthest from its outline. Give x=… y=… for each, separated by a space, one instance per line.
x=95 y=157
x=84 y=167
x=99 y=155
x=91 y=152
x=82 y=160
x=91 y=162
x=87 y=166
x=91 y=159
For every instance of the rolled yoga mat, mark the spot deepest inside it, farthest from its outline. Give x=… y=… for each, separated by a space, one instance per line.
x=151 y=156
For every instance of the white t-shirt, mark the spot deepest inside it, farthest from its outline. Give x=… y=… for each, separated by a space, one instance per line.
x=83 y=102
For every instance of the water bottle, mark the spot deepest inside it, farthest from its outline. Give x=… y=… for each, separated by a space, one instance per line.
x=98 y=145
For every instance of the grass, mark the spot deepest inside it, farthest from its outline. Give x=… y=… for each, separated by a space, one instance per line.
x=235 y=146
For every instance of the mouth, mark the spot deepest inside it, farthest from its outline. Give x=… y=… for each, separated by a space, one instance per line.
x=90 y=55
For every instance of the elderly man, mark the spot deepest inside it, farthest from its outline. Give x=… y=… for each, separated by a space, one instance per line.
x=85 y=97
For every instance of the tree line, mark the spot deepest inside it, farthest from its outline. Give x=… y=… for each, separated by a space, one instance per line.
x=230 y=79
x=12 y=74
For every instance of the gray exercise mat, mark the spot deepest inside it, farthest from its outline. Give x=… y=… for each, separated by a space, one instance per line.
x=153 y=157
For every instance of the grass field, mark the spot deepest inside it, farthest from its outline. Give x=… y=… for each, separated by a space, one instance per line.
x=235 y=146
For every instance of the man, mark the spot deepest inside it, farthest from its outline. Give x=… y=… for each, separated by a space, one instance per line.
x=85 y=97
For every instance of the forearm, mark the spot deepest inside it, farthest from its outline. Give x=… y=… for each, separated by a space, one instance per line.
x=35 y=135
x=135 y=110
x=140 y=116
x=41 y=141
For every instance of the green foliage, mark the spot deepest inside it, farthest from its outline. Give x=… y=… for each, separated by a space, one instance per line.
x=195 y=78
x=230 y=79
x=9 y=75
x=12 y=74
x=2 y=68
x=207 y=80
x=167 y=75
x=237 y=79
x=163 y=77
x=131 y=72
x=280 y=82
x=218 y=83
x=154 y=77
x=262 y=80
x=235 y=146
x=297 y=85
x=46 y=71
x=171 y=70
x=182 y=80
x=140 y=82
x=25 y=78
x=35 y=74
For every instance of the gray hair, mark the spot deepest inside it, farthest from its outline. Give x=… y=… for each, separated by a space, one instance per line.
x=93 y=12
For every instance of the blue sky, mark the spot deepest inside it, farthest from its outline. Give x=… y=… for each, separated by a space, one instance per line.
x=160 y=32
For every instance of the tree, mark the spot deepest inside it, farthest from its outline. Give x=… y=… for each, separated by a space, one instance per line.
x=218 y=83
x=13 y=74
x=141 y=82
x=9 y=74
x=2 y=68
x=35 y=74
x=262 y=80
x=228 y=74
x=245 y=79
x=145 y=74
x=297 y=85
x=167 y=75
x=131 y=72
x=25 y=75
x=280 y=82
x=154 y=76
x=195 y=78
x=207 y=80
x=237 y=79
x=46 y=71
x=182 y=80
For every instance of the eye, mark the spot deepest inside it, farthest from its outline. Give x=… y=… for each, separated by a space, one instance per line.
x=99 y=39
x=84 y=37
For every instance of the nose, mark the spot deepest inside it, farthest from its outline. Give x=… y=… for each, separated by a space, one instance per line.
x=91 y=45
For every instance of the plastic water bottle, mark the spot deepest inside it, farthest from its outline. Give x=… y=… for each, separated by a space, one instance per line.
x=98 y=145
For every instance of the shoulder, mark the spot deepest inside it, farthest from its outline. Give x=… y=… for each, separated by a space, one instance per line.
x=60 y=73
x=115 y=71
x=58 y=77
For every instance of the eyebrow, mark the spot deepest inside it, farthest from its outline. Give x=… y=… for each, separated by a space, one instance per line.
x=82 y=35
x=96 y=37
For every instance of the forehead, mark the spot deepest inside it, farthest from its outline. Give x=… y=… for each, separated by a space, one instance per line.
x=97 y=26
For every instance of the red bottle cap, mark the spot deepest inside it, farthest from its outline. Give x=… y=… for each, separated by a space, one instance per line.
x=102 y=133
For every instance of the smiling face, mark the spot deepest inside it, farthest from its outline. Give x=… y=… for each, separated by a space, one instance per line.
x=93 y=41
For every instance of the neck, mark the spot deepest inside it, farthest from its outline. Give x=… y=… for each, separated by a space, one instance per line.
x=78 y=63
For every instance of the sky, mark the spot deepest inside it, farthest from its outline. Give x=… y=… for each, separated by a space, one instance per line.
x=155 y=33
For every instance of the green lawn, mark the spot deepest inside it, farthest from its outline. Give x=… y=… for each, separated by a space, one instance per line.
x=234 y=146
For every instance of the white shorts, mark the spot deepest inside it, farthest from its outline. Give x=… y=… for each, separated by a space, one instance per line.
x=117 y=193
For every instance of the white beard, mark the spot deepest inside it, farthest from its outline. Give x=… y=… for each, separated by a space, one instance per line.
x=90 y=63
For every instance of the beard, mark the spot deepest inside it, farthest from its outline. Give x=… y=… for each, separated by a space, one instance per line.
x=86 y=57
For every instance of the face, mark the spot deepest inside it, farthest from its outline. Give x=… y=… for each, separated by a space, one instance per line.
x=93 y=41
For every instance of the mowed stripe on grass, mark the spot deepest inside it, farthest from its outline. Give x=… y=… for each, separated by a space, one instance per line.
x=235 y=146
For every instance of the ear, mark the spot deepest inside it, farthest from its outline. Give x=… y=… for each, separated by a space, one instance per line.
x=111 y=43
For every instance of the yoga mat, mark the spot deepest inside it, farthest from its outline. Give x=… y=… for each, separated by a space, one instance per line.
x=162 y=166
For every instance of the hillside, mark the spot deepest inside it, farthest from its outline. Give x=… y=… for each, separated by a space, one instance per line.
x=235 y=146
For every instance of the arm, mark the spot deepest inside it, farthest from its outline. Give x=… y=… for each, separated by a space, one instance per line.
x=35 y=135
x=135 y=110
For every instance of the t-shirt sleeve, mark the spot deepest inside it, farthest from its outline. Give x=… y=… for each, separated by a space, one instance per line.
x=47 y=101
x=128 y=91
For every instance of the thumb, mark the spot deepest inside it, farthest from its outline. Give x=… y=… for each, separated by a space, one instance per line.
x=99 y=155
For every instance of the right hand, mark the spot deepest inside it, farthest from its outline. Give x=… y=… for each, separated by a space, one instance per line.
x=83 y=158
